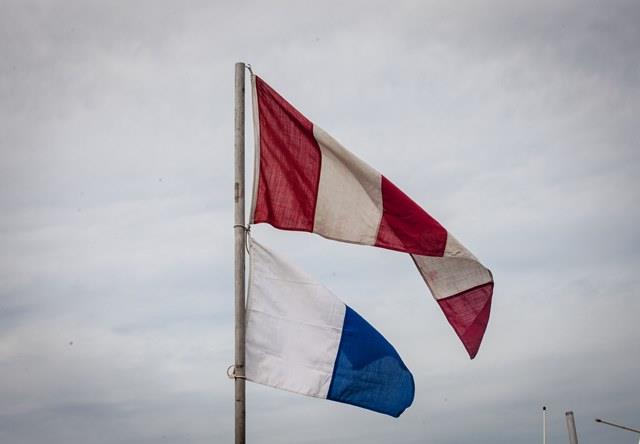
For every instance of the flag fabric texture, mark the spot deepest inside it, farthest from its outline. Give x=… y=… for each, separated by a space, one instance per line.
x=305 y=180
x=302 y=338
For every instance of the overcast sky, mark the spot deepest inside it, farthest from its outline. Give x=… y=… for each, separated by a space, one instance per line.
x=514 y=124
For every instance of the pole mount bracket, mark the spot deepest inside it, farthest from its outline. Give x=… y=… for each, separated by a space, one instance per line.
x=231 y=373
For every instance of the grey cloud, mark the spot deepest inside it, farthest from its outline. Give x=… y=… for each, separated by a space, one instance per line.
x=514 y=124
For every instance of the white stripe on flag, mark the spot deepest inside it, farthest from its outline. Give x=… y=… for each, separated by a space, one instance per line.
x=349 y=202
x=458 y=270
x=294 y=325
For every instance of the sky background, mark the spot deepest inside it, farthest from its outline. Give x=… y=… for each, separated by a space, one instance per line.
x=514 y=124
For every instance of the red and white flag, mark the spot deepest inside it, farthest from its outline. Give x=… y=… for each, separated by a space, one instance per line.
x=307 y=181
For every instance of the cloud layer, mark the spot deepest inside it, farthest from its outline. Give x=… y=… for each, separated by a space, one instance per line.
x=514 y=124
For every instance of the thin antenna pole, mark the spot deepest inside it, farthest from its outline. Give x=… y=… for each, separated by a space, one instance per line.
x=239 y=232
x=544 y=424
x=571 y=427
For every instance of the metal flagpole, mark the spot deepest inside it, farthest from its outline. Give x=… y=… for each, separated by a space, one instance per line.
x=239 y=232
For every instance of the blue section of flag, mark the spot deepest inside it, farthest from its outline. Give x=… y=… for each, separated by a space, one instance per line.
x=368 y=371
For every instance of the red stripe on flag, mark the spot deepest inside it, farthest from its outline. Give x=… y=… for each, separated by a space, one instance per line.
x=468 y=313
x=289 y=164
x=407 y=227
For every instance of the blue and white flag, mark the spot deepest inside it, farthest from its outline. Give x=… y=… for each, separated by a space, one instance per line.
x=302 y=338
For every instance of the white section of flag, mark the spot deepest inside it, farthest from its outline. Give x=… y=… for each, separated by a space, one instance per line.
x=458 y=270
x=349 y=201
x=294 y=325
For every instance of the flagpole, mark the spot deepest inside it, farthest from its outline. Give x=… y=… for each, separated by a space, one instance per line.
x=239 y=233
